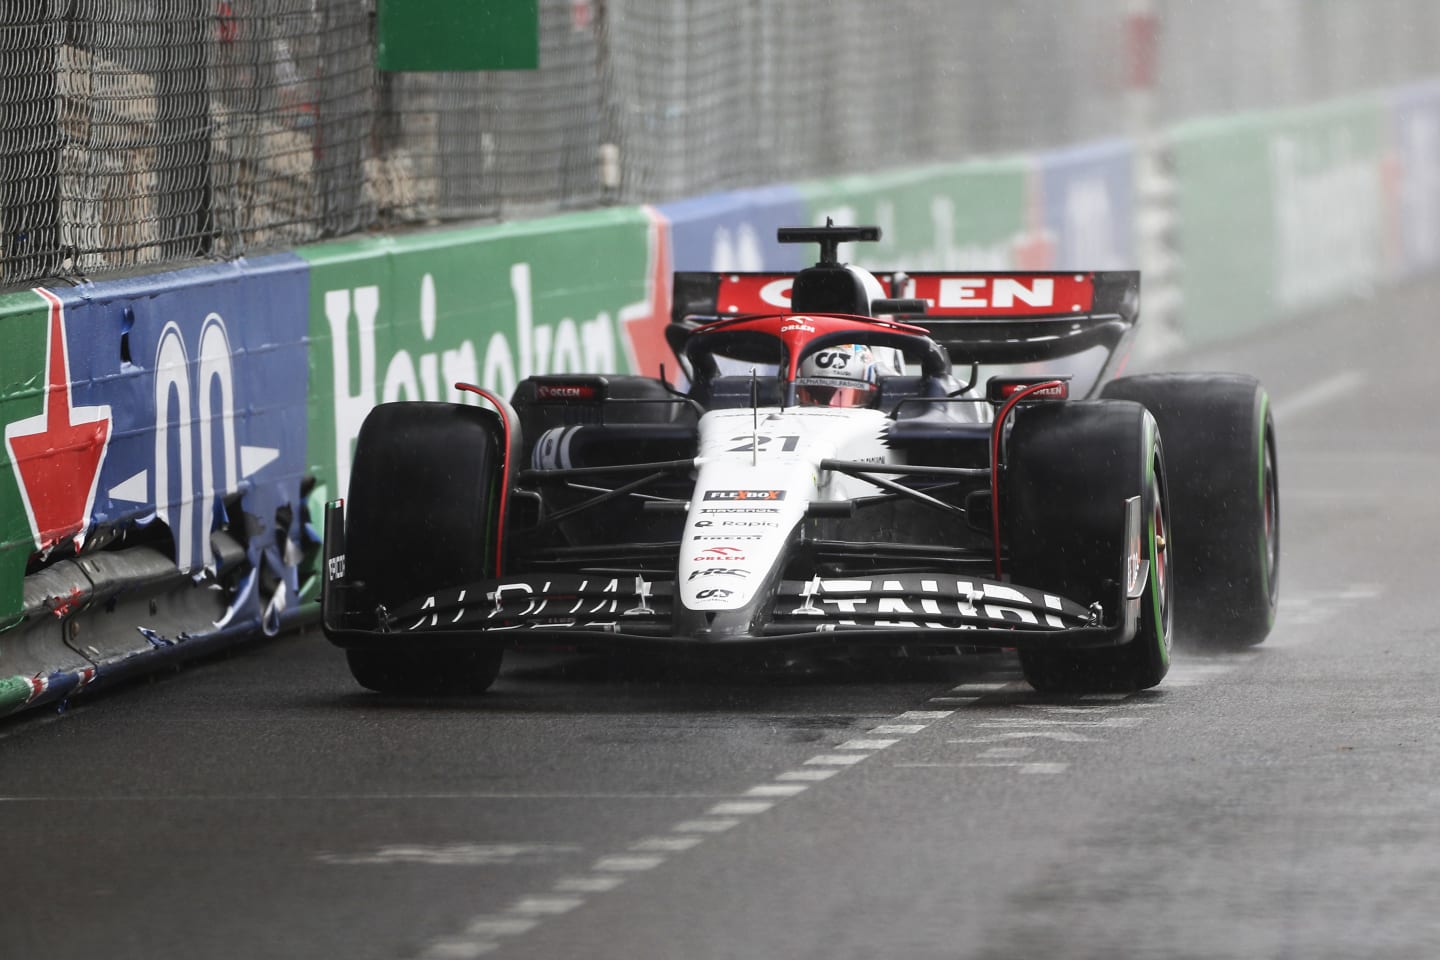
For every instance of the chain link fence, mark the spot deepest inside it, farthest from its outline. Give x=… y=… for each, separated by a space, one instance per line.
x=139 y=133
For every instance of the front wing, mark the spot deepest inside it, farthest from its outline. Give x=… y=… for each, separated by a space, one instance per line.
x=889 y=609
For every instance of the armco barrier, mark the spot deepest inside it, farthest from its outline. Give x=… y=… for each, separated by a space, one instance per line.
x=184 y=424
x=156 y=420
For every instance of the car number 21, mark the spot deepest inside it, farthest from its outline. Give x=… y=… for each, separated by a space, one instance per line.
x=753 y=443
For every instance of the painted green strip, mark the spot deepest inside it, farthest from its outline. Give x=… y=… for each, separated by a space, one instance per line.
x=14 y=693
x=23 y=332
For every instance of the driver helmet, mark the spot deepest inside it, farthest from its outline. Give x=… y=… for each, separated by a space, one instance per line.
x=844 y=375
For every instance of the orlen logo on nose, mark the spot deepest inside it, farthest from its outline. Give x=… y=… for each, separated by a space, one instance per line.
x=744 y=494
x=716 y=554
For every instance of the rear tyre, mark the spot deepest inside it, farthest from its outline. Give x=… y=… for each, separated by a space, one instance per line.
x=422 y=514
x=1220 y=447
x=1071 y=468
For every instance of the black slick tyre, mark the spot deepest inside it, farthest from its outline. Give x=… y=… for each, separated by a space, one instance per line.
x=1071 y=467
x=1219 y=438
x=422 y=514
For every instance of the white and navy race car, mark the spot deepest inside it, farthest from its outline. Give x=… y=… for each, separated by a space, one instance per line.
x=837 y=475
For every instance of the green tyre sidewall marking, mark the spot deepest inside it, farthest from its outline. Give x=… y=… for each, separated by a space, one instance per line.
x=1266 y=442
x=1162 y=631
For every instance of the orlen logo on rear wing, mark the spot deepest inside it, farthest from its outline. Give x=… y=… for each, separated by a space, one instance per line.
x=950 y=294
x=1000 y=295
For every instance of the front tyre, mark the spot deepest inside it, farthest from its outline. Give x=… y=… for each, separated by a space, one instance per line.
x=1071 y=469
x=423 y=514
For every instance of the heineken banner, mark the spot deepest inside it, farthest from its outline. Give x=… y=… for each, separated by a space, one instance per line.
x=1281 y=212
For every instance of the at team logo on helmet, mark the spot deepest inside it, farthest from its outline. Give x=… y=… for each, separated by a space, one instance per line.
x=844 y=375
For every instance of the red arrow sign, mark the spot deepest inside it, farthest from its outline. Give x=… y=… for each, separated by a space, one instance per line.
x=644 y=323
x=57 y=455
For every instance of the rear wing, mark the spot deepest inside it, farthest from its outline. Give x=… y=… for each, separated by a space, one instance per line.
x=980 y=317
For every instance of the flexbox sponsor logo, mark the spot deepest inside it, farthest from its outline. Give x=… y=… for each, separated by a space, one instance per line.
x=733 y=495
x=430 y=371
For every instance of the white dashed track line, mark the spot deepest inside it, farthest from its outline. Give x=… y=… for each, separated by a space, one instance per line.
x=1009 y=743
x=487 y=933
x=809 y=775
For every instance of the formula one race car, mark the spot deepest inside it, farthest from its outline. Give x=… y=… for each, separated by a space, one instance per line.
x=829 y=479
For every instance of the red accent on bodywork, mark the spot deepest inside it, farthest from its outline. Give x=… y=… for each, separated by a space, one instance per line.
x=502 y=408
x=796 y=330
x=995 y=434
x=1010 y=389
x=754 y=292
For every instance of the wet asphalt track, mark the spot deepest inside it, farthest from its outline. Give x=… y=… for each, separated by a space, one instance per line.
x=1277 y=803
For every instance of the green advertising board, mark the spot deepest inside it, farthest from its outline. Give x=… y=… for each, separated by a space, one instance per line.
x=1279 y=213
x=406 y=317
x=22 y=384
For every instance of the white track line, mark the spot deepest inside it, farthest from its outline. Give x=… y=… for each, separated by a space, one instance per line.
x=486 y=931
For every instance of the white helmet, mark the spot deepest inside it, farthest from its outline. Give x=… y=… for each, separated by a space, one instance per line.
x=845 y=375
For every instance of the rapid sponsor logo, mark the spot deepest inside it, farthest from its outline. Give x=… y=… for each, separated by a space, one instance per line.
x=744 y=494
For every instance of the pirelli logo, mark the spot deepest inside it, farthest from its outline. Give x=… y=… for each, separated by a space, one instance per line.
x=732 y=495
